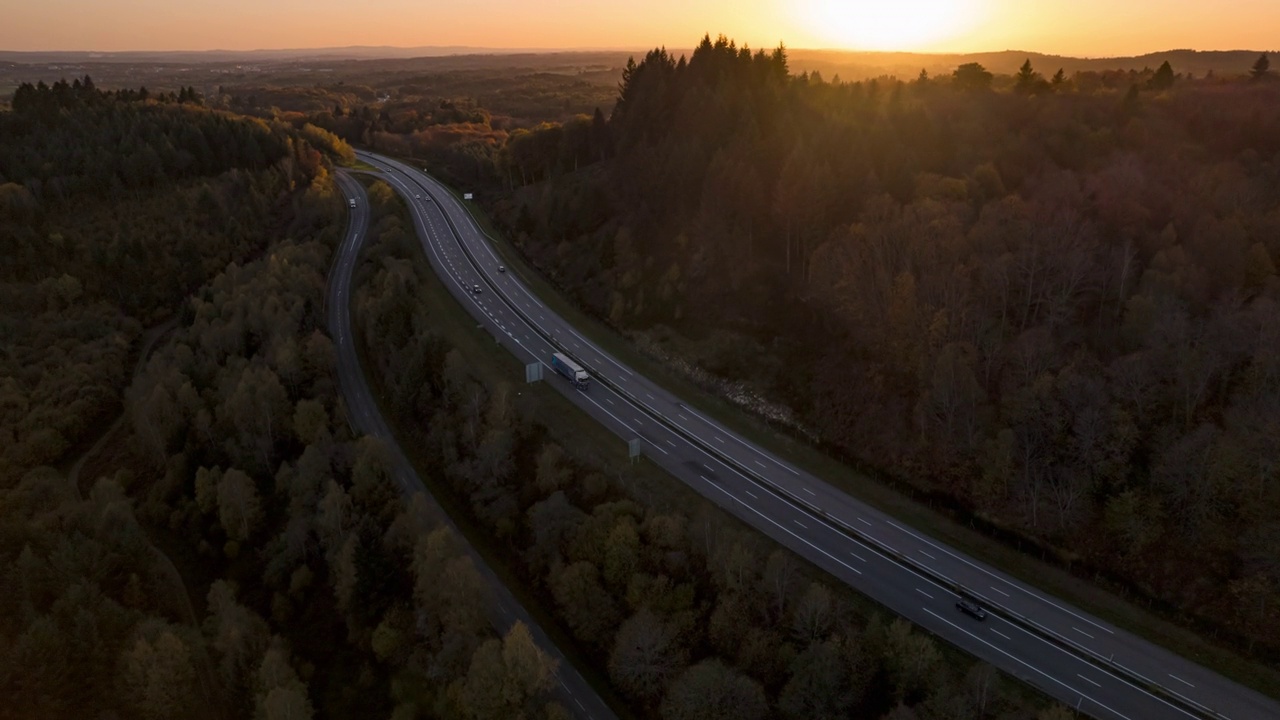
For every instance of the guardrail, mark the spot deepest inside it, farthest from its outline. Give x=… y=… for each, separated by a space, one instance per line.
x=1131 y=676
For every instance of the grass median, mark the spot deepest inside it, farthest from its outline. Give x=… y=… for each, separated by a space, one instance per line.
x=1050 y=578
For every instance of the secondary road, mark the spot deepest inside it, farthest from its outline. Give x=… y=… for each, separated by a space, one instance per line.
x=572 y=690
x=1080 y=659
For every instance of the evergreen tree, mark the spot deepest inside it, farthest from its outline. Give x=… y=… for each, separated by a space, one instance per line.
x=1026 y=78
x=1261 y=68
x=1164 y=77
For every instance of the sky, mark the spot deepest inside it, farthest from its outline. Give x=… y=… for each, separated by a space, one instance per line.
x=1090 y=28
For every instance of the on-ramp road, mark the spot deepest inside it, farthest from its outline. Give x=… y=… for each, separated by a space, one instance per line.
x=572 y=690
x=1082 y=660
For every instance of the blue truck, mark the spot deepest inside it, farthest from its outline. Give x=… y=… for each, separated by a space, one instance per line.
x=565 y=365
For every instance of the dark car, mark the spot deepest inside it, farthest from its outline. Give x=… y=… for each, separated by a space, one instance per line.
x=972 y=609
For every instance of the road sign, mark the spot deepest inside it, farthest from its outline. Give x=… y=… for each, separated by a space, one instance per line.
x=533 y=372
x=466 y=196
x=634 y=447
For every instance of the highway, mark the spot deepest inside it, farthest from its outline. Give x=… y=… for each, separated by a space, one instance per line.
x=1083 y=661
x=572 y=690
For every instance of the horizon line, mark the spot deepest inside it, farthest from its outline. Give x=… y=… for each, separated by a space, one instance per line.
x=464 y=50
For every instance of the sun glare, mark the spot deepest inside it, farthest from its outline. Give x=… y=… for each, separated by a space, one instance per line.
x=889 y=24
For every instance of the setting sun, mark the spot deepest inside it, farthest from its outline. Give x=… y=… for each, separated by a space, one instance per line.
x=898 y=25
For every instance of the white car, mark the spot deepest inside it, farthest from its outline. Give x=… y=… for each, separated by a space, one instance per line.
x=417 y=197
x=502 y=268
x=475 y=289
x=353 y=202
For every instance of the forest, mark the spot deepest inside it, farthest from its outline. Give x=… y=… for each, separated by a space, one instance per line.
x=1045 y=301
x=238 y=554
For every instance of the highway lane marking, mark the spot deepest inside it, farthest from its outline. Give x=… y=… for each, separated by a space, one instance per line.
x=1073 y=627
x=924 y=593
x=783 y=528
x=610 y=402
x=857 y=556
x=993 y=587
x=1088 y=680
x=745 y=444
x=927 y=555
x=810 y=492
x=671 y=443
x=681 y=416
x=708 y=467
x=753 y=495
x=1080 y=658
x=1006 y=637
x=864 y=522
x=806 y=527
x=759 y=463
x=1184 y=682
x=659 y=447
x=1023 y=662
x=971 y=564
x=718 y=439
x=650 y=396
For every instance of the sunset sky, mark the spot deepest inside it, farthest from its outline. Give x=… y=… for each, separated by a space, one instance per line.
x=1070 y=27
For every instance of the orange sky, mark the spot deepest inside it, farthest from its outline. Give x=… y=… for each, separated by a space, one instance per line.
x=1072 y=27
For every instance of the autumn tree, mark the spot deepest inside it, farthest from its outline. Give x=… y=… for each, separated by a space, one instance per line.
x=645 y=656
x=711 y=690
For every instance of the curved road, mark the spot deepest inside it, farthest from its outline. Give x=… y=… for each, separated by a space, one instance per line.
x=572 y=690
x=1082 y=660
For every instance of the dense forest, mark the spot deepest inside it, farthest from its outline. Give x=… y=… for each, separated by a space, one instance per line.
x=691 y=614
x=241 y=555
x=113 y=207
x=1046 y=301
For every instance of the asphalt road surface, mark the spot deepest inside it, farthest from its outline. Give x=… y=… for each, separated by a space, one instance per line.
x=572 y=690
x=1082 y=660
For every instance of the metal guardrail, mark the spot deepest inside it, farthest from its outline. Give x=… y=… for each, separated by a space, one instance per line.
x=1129 y=675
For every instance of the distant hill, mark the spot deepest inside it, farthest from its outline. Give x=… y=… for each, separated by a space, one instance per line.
x=862 y=65
x=354 y=52
x=850 y=65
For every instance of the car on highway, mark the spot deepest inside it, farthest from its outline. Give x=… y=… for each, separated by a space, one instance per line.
x=475 y=289
x=352 y=201
x=417 y=196
x=502 y=268
x=972 y=609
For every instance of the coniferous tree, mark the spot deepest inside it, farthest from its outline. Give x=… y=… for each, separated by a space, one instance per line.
x=1026 y=78
x=1260 y=68
x=1164 y=77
